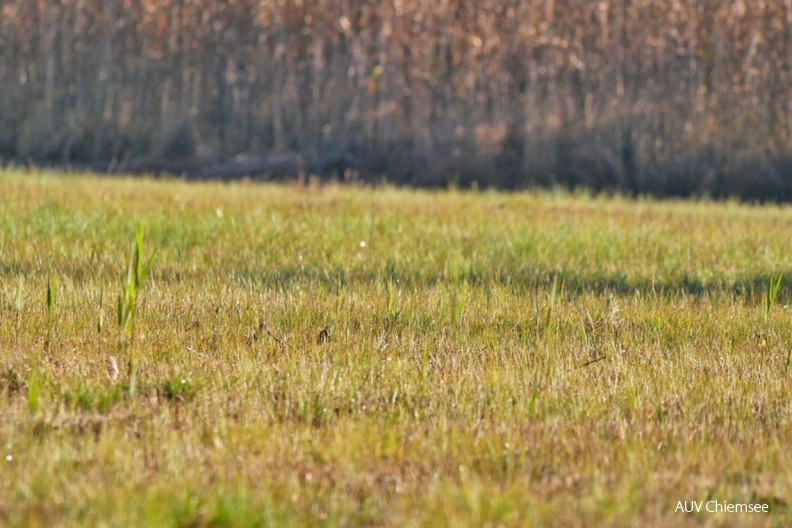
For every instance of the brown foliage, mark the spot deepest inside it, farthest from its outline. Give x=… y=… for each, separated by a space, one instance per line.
x=646 y=95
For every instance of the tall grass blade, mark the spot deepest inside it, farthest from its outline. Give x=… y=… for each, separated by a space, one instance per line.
x=18 y=305
x=771 y=295
x=147 y=267
x=100 y=319
x=50 y=307
x=424 y=361
x=135 y=275
x=551 y=306
x=33 y=395
x=138 y=254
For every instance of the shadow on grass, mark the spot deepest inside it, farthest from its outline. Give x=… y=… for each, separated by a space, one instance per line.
x=525 y=279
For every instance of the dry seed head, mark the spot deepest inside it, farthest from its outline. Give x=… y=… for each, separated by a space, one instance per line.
x=112 y=368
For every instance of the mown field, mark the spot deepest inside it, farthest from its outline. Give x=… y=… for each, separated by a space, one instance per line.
x=380 y=357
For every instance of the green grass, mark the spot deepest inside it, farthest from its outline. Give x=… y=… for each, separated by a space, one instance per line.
x=493 y=359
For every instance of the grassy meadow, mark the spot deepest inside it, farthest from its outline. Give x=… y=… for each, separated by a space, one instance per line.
x=335 y=356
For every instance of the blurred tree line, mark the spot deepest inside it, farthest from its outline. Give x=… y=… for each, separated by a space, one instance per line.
x=670 y=97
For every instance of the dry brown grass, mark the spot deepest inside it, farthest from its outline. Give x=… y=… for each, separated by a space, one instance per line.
x=656 y=96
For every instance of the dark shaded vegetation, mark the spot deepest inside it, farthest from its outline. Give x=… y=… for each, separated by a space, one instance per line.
x=646 y=98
